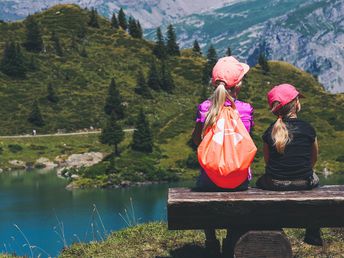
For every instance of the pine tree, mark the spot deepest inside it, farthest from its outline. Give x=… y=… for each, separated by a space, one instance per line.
x=142 y=137
x=228 y=52
x=139 y=29
x=196 y=48
x=114 y=22
x=83 y=52
x=208 y=67
x=132 y=28
x=167 y=83
x=81 y=31
x=12 y=62
x=113 y=102
x=56 y=43
x=204 y=94
x=93 y=19
x=33 y=41
x=112 y=134
x=32 y=64
x=171 y=45
x=153 y=77
x=263 y=63
x=122 y=20
x=159 y=47
x=51 y=94
x=141 y=86
x=35 y=116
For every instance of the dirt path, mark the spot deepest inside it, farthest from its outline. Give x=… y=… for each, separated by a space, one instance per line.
x=56 y=134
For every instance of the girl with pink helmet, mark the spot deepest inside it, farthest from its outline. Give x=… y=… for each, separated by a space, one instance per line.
x=227 y=77
x=290 y=149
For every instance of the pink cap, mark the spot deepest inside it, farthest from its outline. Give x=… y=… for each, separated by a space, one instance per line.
x=283 y=93
x=229 y=70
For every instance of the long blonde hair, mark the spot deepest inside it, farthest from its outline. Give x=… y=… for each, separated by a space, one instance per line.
x=218 y=100
x=280 y=134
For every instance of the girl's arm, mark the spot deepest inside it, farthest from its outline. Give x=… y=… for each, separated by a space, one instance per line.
x=197 y=133
x=314 y=152
x=266 y=152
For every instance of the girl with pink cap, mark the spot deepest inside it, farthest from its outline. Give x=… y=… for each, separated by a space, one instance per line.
x=226 y=78
x=290 y=149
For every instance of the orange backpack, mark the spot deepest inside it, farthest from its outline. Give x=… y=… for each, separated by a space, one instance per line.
x=227 y=150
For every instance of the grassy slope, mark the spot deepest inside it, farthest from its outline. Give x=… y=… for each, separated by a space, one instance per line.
x=81 y=84
x=154 y=240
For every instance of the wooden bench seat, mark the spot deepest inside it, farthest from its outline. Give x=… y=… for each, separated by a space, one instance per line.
x=256 y=209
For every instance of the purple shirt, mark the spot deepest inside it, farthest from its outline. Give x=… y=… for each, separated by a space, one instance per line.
x=245 y=110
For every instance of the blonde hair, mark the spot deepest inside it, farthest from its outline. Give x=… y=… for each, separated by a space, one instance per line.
x=280 y=134
x=218 y=100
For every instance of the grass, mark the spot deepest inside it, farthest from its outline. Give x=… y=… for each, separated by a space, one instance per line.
x=154 y=240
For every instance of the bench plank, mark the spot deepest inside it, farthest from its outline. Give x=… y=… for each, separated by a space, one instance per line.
x=256 y=209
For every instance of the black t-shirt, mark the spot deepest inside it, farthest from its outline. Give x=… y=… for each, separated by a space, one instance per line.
x=295 y=163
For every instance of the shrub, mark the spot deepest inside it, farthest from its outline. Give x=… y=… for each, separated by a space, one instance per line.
x=95 y=170
x=37 y=147
x=340 y=158
x=14 y=148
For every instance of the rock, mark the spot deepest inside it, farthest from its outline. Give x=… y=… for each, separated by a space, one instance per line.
x=84 y=160
x=72 y=186
x=125 y=183
x=18 y=164
x=61 y=160
x=1 y=170
x=74 y=176
x=44 y=163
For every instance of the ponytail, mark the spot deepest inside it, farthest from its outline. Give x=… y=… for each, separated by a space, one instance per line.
x=218 y=100
x=280 y=135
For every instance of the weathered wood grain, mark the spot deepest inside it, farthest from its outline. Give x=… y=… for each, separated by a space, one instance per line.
x=256 y=209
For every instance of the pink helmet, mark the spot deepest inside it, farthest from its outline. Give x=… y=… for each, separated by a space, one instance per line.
x=229 y=70
x=283 y=93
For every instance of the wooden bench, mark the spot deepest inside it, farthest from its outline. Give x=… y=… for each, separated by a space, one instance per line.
x=256 y=209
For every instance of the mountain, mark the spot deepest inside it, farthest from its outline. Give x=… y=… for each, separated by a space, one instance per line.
x=151 y=13
x=308 y=34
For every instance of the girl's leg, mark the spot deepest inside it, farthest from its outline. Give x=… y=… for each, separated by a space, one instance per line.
x=212 y=245
x=210 y=234
x=313 y=236
x=231 y=239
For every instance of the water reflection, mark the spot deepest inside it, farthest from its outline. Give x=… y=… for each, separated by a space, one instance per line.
x=38 y=203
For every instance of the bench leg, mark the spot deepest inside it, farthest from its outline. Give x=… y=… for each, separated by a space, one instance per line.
x=228 y=244
x=267 y=244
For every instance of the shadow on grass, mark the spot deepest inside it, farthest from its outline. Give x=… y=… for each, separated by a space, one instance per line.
x=187 y=251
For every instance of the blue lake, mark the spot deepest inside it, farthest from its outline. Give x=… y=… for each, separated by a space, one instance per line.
x=36 y=210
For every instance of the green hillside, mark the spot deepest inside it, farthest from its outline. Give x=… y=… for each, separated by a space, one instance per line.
x=81 y=84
